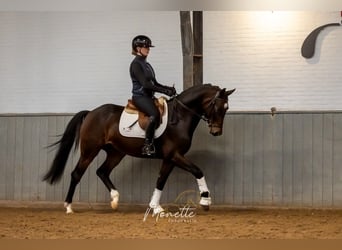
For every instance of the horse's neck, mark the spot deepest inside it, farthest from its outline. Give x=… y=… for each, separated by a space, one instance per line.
x=194 y=107
x=194 y=100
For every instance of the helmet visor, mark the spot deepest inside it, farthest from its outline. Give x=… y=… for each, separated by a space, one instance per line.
x=142 y=41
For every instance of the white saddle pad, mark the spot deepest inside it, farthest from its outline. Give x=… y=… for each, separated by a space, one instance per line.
x=129 y=127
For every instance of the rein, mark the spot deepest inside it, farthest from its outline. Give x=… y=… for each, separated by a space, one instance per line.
x=202 y=117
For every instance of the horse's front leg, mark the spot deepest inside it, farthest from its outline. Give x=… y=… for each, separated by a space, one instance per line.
x=187 y=165
x=164 y=173
x=205 y=200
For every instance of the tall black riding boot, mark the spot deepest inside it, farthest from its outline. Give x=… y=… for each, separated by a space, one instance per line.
x=148 y=148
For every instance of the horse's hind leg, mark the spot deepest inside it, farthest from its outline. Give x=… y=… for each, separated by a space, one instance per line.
x=76 y=176
x=113 y=159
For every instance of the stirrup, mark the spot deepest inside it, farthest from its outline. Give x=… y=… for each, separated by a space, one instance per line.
x=148 y=149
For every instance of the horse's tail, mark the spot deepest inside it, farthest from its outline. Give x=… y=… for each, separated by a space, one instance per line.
x=71 y=135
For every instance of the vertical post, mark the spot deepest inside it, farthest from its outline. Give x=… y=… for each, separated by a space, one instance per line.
x=197 y=20
x=187 y=49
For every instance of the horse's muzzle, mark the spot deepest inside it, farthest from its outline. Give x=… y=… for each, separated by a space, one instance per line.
x=215 y=130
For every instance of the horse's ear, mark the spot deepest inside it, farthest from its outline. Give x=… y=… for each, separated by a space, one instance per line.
x=222 y=92
x=229 y=92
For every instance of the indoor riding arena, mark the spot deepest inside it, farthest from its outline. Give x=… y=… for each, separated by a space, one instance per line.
x=274 y=173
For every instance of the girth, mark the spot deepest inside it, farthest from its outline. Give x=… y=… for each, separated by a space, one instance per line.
x=143 y=119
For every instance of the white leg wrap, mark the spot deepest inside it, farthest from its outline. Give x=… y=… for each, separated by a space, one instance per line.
x=68 y=208
x=114 y=194
x=155 y=198
x=154 y=203
x=202 y=185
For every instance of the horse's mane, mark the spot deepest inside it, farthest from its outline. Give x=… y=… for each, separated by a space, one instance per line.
x=195 y=88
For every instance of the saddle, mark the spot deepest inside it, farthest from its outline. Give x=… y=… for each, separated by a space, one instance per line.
x=143 y=119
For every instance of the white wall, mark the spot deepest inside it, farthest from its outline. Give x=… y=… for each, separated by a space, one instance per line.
x=70 y=61
x=259 y=54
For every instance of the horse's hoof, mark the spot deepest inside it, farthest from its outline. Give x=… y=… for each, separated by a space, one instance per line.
x=115 y=199
x=114 y=205
x=157 y=210
x=68 y=208
x=205 y=201
x=69 y=211
x=205 y=208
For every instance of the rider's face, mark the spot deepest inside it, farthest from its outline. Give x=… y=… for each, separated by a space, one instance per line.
x=144 y=51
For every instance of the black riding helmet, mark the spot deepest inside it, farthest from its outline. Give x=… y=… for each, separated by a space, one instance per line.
x=141 y=41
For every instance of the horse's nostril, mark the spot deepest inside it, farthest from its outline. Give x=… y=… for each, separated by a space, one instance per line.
x=216 y=133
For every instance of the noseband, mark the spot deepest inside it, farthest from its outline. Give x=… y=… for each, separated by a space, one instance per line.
x=202 y=117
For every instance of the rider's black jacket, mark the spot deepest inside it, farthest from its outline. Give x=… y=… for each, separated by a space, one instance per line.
x=144 y=79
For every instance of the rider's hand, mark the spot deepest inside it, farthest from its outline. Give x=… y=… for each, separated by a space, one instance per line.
x=168 y=91
x=172 y=91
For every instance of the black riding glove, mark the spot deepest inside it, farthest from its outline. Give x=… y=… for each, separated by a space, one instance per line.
x=165 y=90
x=171 y=91
x=168 y=92
x=174 y=91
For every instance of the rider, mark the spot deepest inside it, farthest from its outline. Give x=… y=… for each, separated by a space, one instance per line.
x=144 y=87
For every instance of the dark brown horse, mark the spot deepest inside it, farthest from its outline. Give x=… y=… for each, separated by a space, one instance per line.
x=99 y=130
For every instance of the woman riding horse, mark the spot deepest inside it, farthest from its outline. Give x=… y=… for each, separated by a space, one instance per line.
x=98 y=130
x=144 y=86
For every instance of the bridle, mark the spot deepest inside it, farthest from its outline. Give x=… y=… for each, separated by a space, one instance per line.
x=202 y=116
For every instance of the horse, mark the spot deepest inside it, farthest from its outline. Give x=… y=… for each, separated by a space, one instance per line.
x=98 y=129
